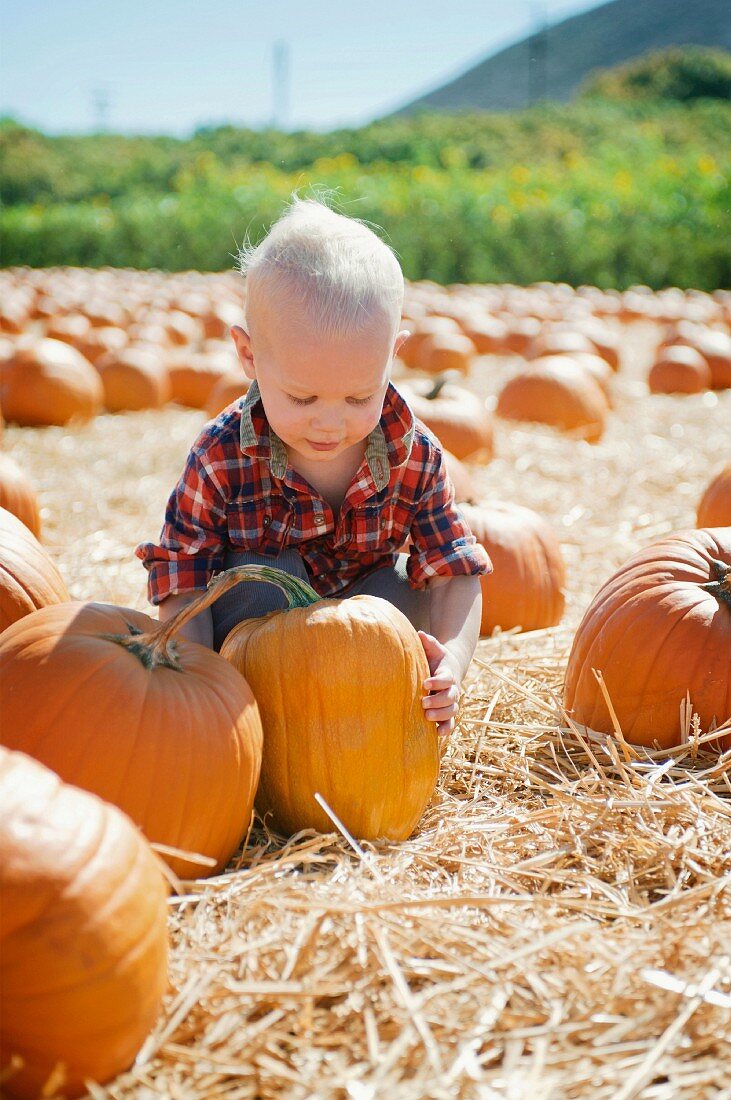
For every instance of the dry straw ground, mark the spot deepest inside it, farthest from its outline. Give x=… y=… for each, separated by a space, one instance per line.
x=560 y=924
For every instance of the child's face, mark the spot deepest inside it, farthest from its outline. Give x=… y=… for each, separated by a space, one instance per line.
x=322 y=396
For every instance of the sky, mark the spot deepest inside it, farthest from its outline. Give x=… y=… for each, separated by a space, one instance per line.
x=168 y=66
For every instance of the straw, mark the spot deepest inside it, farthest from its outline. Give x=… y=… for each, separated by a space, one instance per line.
x=558 y=926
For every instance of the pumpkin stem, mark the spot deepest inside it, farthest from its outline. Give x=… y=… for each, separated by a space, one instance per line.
x=721 y=587
x=157 y=647
x=439 y=384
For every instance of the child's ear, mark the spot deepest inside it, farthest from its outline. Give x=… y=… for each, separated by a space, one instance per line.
x=242 y=344
x=401 y=338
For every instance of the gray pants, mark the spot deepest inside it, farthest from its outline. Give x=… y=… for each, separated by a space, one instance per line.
x=251 y=599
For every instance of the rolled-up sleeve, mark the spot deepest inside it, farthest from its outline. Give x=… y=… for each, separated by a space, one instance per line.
x=442 y=544
x=192 y=541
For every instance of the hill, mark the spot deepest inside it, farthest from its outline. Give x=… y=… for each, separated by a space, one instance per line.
x=551 y=65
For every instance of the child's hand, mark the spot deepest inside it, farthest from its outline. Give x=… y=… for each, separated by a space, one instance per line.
x=440 y=704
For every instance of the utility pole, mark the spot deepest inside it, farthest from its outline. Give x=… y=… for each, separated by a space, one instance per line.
x=538 y=55
x=280 y=84
x=100 y=107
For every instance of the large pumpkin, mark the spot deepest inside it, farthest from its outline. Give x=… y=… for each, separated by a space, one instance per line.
x=17 y=494
x=659 y=629
x=713 y=345
x=526 y=588
x=28 y=578
x=194 y=375
x=443 y=351
x=133 y=379
x=410 y=350
x=49 y=382
x=678 y=368
x=714 y=507
x=83 y=934
x=164 y=729
x=457 y=417
x=339 y=685
x=556 y=391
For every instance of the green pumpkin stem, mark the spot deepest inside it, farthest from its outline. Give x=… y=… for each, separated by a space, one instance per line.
x=157 y=647
x=439 y=384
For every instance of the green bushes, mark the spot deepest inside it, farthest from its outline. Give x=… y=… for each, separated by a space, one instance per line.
x=682 y=74
x=591 y=193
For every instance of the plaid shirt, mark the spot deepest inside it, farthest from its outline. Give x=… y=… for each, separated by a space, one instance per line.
x=238 y=492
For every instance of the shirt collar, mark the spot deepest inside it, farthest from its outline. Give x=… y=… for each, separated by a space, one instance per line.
x=389 y=444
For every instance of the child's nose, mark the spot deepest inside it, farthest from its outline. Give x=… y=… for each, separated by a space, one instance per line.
x=328 y=418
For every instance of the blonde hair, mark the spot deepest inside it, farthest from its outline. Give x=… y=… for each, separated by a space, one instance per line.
x=335 y=267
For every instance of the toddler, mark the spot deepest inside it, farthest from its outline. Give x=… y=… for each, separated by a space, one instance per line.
x=321 y=469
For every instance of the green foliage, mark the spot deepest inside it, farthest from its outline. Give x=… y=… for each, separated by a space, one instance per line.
x=681 y=74
x=604 y=193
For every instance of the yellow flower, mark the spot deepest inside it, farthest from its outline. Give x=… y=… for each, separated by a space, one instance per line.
x=623 y=182
x=520 y=174
x=421 y=173
x=707 y=165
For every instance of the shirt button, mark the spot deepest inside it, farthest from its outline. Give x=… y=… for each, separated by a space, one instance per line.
x=266 y=521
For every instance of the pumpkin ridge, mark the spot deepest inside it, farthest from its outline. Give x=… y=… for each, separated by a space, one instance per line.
x=66 y=702
x=96 y=919
x=144 y=702
x=79 y=878
x=701 y=661
x=677 y=621
x=623 y=607
x=41 y=914
x=176 y=826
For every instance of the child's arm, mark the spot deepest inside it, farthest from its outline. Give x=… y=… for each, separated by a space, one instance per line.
x=198 y=629
x=455 y=609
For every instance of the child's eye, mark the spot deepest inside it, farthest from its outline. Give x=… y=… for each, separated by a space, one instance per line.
x=360 y=400
x=301 y=400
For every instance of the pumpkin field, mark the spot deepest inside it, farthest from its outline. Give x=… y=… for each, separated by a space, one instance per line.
x=557 y=926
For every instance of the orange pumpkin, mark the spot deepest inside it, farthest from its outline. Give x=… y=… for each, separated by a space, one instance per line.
x=459 y=475
x=526 y=588
x=101 y=342
x=28 y=578
x=488 y=334
x=83 y=934
x=49 y=382
x=603 y=342
x=714 y=508
x=339 y=686
x=599 y=369
x=133 y=378
x=560 y=341
x=714 y=346
x=422 y=329
x=557 y=392
x=444 y=351
x=679 y=369
x=193 y=376
x=164 y=729
x=659 y=629
x=457 y=417
x=229 y=387
x=18 y=496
